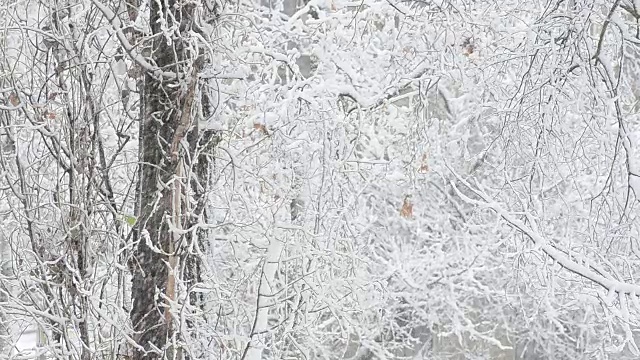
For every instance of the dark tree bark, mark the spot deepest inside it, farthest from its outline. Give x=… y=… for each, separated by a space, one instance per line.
x=172 y=182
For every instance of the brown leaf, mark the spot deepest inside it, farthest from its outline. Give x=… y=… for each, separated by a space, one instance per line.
x=468 y=50
x=407 y=208
x=14 y=99
x=261 y=127
x=468 y=47
x=424 y=165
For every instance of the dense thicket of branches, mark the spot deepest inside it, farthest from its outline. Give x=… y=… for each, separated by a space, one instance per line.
x=191 y=179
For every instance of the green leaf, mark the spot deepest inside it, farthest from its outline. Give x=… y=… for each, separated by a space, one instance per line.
x=129 y=219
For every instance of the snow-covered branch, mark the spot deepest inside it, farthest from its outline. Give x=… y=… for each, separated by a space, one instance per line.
x=600 y=277
x=117 y=27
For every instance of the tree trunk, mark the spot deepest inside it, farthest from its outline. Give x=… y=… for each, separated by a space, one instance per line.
x=171 y=186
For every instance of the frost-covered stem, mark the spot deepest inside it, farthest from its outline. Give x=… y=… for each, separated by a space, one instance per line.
x=5 y=271
x=627 y=139
x=600 y=277
x=118 y=29
x=266 y=299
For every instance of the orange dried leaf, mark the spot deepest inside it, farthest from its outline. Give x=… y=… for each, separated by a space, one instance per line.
x=407 y=208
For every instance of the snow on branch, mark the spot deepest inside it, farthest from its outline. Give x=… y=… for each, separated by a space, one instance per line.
x=116 y=25
x=395 y=93
x=598 y=276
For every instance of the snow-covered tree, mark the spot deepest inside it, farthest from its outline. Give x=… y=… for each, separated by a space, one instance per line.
x=321 y=179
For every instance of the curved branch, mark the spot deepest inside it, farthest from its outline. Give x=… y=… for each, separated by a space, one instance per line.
x=116 y=24
x=599 y=277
